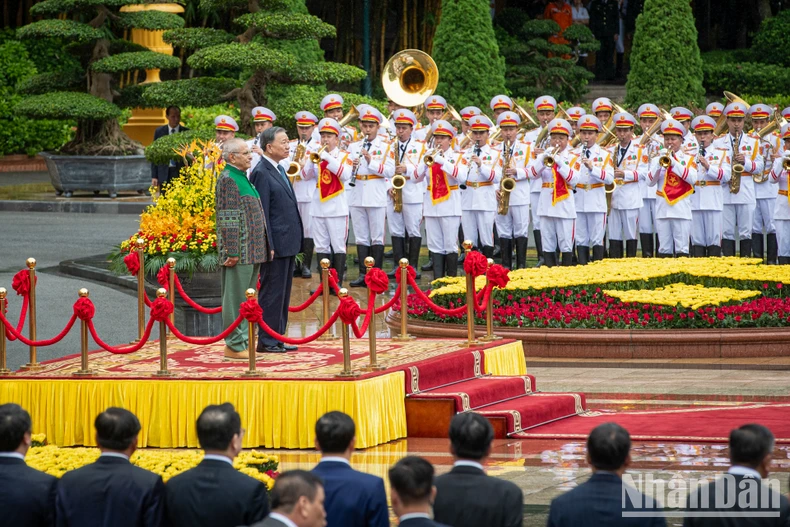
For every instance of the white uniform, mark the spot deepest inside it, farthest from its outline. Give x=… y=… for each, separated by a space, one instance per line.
x=557 y=220
x=368 y=200
x=256 y=158
x=515 y=224
x=647 y=214
x=443 y=218
x=304 y=190
x=627 y=197
x=478 y=200
x=779 y=177
x=739 y=208
x=330 y=217
x=673 y=222
x=690 y=144
x=590 y=194
x=764 y=193
x=409 y=219
x=707 y=202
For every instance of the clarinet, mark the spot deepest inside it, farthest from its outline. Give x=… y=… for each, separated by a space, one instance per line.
x=353 y=181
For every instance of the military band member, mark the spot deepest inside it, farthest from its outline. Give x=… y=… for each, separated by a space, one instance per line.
x=765 y=193
x=442 y=205
x=408 y=153
x=648 y=115
x=739 y=207
x=713 y=171
x=786 y=113
x=329 y=208
x=374 y=162
x=304 y=190
x=675 y=184
x=435 y=106
x=515 y=224
x=262 y=118
x=500 y=104
x=467 y=113
x=225 y=128
x=714 y=110
x=332 y=106
x=630 y=162
x=556 y=208
x=782 y=214
x=684 y=117
x=602 y=107
x=574 y=114
x=595 y=169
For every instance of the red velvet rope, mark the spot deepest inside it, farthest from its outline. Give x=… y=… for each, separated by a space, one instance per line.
x=360 y=331
x=121 y=350
x=455 y=312
x=161 y=308
x=377 y=280
x=475 y=264
x=306 y=304
x=84 y=309
x=388 y=305
x=19 y=336
x=22 y=316
x=333 y=280
x=132 y=262
x=498 y=276
x=192 y=303
x=204 y=340
x=304 y=340
x=21 y=282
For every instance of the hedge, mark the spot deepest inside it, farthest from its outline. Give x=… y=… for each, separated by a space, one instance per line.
x=292 y=26
x=746 y=77
x=200 y=91
x=68 y=105
x=67 y=29
x=772 y=40
x=197 y=37
x=152 y=20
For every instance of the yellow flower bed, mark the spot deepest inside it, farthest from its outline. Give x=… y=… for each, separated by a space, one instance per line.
x=688 y=296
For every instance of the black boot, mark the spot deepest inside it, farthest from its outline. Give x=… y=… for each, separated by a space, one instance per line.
x=439 y=261
x=584 y=254
x=757 y=245
x=307 y=250
x=427 y=266
x=539 y=247
x=550 y=259
x=658 y=245
x=451 y=264
x=697 y=251
x=574 y=258
x=784 y=260
x=506 y=246
x=521 y=252
x=664 y=255
x=488 y=251
x=746 y=249
x=567 y=259
x=339 y=265
x=398 y=252
x=497 y=248
x=630 y=248
x=414 y=254
x=728 y=247
x=615 y=248
x=597 y=253
x=713 y=250
x=363 y=251
x=682 y=255
x=773 y=249
x=377 y=252
x=646 y=240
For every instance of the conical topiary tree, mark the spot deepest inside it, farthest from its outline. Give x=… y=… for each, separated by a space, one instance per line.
x=666 y=67
x=471 y=70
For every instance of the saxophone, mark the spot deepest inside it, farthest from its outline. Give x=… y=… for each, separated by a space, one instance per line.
x=508 y=184
x=737 y=169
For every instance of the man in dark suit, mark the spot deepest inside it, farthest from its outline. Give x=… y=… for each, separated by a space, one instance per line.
x=605 y=26
x=742 y=497
x=27 y=496
x=599 y=501
x=412 y=491
x=285 y=236
x=297 y=499
x=353 y=499
x=161 y=174
x=112 y=492
x=466 y=496
x=214 y=494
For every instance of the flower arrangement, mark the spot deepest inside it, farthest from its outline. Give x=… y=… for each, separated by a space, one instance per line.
x=181 y=223
x=629 y=294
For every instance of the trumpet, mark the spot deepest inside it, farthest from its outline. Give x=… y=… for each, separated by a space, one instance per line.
x=665 y=161
x=398 y=182
x=315 y=157
x=786 y=163
x=429 y=158
x=548 y=159
x=294 y=167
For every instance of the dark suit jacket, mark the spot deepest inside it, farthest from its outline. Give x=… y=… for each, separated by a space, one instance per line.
x=353 y=499
x=160 y=172
x=214 y=494
x=110 y=493
x=280 y=208
x=597 y=502
x=778 y=504
x=604 y=18
x=27 y=496
x=467 y=497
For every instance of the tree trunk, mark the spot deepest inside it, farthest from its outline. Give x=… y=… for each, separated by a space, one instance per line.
x=253 y=92
x=763 y=9
x=100 y=84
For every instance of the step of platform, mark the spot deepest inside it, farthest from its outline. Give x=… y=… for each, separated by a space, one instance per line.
x=533 y=410
x=481 y=392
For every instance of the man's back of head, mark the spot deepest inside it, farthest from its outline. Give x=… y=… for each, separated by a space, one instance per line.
x=751 y=446
x=117 y=430
x=608 y=448
x=15 y=428
x=411 y=485
x=299 y=496
x=219 y=430
x=470 y=436
x=335 y=433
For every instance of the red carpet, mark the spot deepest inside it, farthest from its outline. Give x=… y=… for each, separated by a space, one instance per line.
x=711 y=424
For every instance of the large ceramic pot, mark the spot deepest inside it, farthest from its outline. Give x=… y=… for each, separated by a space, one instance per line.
x=98 y=173
x=205 y=289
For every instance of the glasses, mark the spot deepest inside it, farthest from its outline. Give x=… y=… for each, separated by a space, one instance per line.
x=244 y=153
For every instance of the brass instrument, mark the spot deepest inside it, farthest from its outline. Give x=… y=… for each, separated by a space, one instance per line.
x=294 y=167
x=351 y=116
x=548 y=159
x=737 y=168
x=786 y=163
x=665 y=161
x=465 y=141
x=562 y=114
x=409 y=77
x=721 y=123
x=525 y=116
x=398 y=182
x=429 y=158
x=449 y=112
x=607 y=137
x=542 y=137
x=508 y=184
x=315 y=157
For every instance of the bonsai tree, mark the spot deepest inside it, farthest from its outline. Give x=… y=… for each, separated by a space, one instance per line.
x=95 y=84
x=471 y=70
x=538 y=67
x=666 y=67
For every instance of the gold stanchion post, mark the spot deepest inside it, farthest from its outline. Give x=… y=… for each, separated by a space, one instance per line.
x=470 y=303
x=31 y=272
x=373 y=365
x=329 y=335
x=84 y=371
x=163 y=371
x=3 y=367
x=252 y=372
x=140 y=244
x=489 y=336
x=171 y=291
x=347 y=371
x=403 y=274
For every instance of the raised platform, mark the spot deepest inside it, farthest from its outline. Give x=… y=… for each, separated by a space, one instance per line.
x=278 y=411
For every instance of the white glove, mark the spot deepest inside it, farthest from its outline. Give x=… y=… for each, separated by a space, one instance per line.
x=325 y=156
x=786 y=153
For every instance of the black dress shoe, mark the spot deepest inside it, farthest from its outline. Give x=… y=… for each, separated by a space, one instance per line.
x=277 y=348
x=306 y=272
x=289 y=347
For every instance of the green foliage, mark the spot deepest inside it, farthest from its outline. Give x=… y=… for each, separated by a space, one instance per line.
x=666 y=67
x=207 y=6
x=162 y=151
x=125 y=46
x=240 y=56
x=153 y=20
x=305 y=51
x=471 y=70
x=322 y=72
x=772 y=40
x=202 y=119
x=197 y=37
x=56 y=7
x=64 y=80
x=777 y=101
x=14 y=64
x=290 y=26
x=139 y=60
x=54 y=28
x=747 y=77
x=725 y=56
x=200 y=91
x=68 y=105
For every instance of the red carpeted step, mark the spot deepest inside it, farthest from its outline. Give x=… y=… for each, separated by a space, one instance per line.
x=441 y=371
x=536 y=409
x=476 y=393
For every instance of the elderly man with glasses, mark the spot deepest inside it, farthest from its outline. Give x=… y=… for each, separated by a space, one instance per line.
x=242 y=240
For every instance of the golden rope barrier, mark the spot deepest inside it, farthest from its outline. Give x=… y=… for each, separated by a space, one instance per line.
x=347 y=371
x=3 y=367
x=84 y=371
x=373 y=365
x=163 y=371
x=403 y=273
x=31 y=273
x=252 y=372
x=470 y=302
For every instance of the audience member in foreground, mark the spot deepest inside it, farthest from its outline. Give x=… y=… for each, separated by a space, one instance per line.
x=750 y=500
x=27 y=496
x=412 y=490
x=353 y=499
x=297 y=501
x=112 y=492
x=599 y=501
x=214 y=494
x=466 y=496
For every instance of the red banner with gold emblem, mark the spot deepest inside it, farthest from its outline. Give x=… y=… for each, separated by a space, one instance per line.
x=560 y=190
x=329 y=185
x=440 y=188
x=675 y=188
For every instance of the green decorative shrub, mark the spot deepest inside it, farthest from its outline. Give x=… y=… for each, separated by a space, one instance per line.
x=471 y=70
x=747 y=77
x=666 y=67
x=772 y=40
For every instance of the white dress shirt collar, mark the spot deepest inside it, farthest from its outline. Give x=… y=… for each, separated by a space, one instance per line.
x=414 y=515
x=215 y=457
x=272 y=161
x=337 y=459
x=467 y=463
x=16 y=455
x=115 y=454
x=284 y=519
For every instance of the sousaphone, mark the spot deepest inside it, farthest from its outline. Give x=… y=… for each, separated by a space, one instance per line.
x=409 y=77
